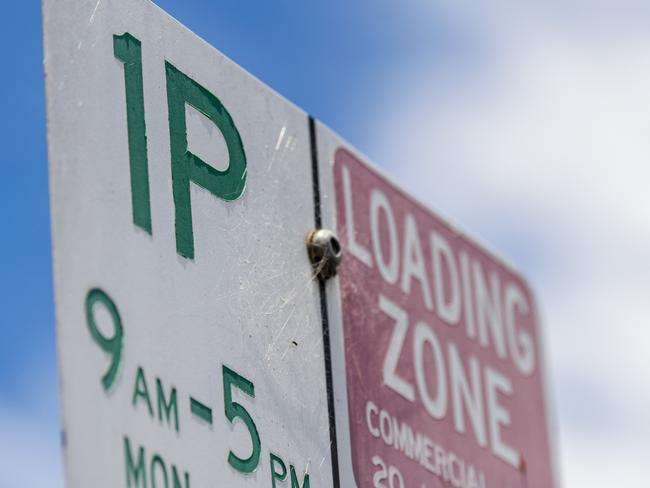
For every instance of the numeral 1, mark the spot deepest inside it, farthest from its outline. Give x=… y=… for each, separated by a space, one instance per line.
x=128 y=50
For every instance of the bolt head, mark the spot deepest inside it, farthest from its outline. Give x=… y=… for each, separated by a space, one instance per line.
x=325 y=252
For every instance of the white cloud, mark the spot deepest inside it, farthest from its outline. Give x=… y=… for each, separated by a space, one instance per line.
x=30 y=452
x=595 y=464
x=28 y=457
x=541 y=147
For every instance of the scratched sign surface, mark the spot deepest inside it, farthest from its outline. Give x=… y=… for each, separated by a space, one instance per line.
x=196 y=346
x=442 y=384
x=189 y=328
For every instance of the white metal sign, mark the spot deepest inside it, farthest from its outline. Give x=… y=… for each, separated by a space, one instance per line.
x=189 y=327
x=198 y=346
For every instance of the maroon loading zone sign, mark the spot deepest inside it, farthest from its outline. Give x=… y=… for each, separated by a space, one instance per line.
x=443 y=357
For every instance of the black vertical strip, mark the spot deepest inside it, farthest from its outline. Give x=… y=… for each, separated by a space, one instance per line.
x=314 y=172
x=323 y=310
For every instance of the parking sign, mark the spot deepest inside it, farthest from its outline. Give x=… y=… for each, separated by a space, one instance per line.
x=201 y=343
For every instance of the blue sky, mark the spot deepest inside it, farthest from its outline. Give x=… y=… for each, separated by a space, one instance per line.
x=25 y=288
x=526 y=124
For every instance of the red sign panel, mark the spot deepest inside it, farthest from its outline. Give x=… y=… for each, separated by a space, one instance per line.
x=442 y=349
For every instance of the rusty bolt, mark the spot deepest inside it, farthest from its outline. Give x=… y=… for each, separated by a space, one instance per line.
x=325 y=252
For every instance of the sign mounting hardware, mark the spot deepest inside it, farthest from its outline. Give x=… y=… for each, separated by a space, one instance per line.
x=325 y=252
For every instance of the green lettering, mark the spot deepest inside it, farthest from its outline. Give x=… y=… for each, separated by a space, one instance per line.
x=167 y=408
x=140 y=390
x=158 y=461
x=177 y=481
x=111 y=345
x=128 y=49
x=235 y=410
x=294 y=479
x=187 y=167
x=136 y=477
x=275 y=475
